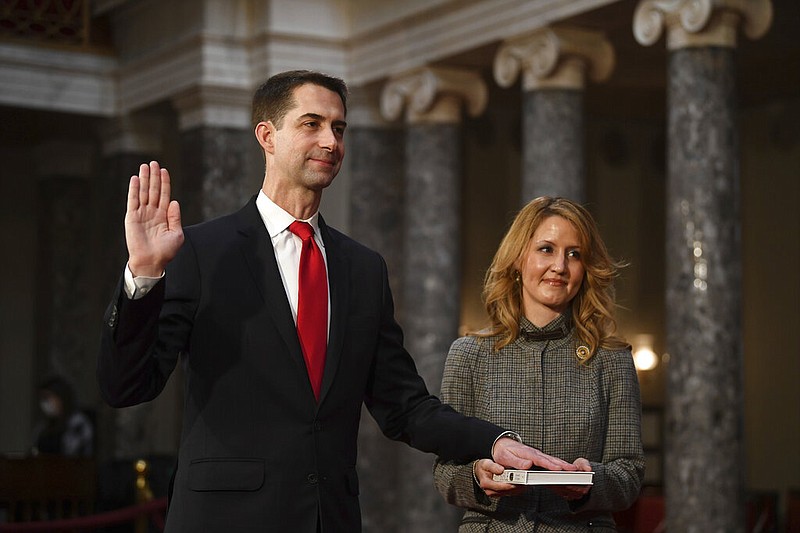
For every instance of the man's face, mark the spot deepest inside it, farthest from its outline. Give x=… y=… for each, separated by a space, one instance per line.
x=309 y=147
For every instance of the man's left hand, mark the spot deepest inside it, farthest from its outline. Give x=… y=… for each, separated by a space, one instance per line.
x=518 y=456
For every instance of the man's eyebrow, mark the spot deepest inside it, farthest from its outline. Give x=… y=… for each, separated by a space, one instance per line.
x=321 y=118
x=311 y=115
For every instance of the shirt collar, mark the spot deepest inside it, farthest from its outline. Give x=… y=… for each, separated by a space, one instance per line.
x=277 y=220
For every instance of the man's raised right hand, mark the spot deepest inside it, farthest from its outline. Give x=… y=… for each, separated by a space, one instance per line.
x=153 y=229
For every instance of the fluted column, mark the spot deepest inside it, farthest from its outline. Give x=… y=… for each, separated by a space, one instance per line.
x=376 y=154
x=433 y=100
x=704 y=444
x=220 y=163
x=554 y=63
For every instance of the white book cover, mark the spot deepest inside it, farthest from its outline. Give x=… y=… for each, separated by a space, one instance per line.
x=544 y=477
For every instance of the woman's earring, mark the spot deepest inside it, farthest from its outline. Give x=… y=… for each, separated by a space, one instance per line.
x=517 y=276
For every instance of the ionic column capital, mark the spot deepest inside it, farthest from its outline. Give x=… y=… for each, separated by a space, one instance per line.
x=693 y=23
x=555 y=57
x=434 y=95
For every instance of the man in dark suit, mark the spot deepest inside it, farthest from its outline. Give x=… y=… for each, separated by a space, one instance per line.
x=270 y=429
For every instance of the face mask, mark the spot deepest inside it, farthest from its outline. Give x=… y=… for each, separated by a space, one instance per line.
x=49 y=408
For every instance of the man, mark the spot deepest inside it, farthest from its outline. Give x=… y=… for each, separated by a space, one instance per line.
x=270 y=423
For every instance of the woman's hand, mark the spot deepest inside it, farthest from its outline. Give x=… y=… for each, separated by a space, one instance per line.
x=484 y=469
x=574 y=492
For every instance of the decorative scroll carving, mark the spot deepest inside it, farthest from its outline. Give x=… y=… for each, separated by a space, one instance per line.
x=434 y=94
x=700 y=22
x=555 y=57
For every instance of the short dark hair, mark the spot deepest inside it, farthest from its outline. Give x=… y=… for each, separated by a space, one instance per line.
x=275 y=97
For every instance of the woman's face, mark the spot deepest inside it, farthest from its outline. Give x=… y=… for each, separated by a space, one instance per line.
x=551 y=270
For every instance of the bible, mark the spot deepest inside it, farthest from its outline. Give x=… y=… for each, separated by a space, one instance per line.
x=544 y=477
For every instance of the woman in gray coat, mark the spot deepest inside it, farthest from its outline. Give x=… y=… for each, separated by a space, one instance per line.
x=551 y=368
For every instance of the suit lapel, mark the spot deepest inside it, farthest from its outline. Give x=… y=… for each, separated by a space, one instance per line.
x=339 y=289
x=259 y=255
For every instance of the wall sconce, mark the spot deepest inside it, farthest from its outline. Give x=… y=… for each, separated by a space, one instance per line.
x=644 y=357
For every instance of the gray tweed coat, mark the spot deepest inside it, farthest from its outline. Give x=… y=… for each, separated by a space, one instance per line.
x=566 y=409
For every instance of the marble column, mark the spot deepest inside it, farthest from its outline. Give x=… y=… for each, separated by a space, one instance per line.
x=434 y=100
x=128 y=141
x=220 y=161
x=704 y=458
x=554 y=63
x=65 y=325
x=375 y=149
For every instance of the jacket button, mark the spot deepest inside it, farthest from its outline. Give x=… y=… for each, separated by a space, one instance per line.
x=312 y=479
x=112 y=321
x=317 y=426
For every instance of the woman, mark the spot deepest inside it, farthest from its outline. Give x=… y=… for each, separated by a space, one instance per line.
x=551 y=368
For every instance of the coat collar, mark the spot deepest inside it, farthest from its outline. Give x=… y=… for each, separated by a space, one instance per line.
x=559 y=328
x=339 y=290
x=259 y=255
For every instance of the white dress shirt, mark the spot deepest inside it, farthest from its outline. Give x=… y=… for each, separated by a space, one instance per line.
x=287 y=247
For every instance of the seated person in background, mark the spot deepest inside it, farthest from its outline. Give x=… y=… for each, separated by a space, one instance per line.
x=551 y=368
x=64 y=429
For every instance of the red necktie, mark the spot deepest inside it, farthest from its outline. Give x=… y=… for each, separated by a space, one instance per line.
x=312 y=304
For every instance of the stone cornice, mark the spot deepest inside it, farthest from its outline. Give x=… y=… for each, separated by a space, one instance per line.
x=277 y=52
x=693 y=23
x=558 y=57
x=207 y=105
x=58 y=80
x=170 y=62
x=192 y=63
x=400 y=48
x=434 y=95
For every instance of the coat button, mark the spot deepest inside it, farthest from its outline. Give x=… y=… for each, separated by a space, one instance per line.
x=312 y=479
x=112 y=321
x=317 y=426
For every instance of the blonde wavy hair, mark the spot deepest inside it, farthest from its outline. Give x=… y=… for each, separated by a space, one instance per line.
x=593 y=307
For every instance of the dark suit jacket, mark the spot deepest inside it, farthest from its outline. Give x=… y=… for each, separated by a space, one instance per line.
x=257 y=452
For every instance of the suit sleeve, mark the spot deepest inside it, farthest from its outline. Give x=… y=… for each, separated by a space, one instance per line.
x=455 y=480
x=142 y=339
x=404 y=409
